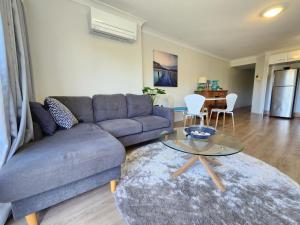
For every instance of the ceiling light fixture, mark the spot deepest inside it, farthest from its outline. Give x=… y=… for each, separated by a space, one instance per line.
x=273 y=11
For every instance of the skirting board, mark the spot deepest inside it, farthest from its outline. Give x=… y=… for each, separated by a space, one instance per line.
x=296 y=114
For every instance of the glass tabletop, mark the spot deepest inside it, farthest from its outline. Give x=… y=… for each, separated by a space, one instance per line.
x=218 y=144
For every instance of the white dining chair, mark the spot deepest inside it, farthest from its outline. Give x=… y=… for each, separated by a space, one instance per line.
x=230 y=101
x=194 y=104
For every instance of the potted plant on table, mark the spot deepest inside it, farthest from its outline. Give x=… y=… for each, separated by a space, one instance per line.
x=153 y=93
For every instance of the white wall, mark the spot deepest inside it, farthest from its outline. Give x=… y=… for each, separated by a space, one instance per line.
x=260 y=86
x=191 y=65
x=68 y=60
x=241 y=83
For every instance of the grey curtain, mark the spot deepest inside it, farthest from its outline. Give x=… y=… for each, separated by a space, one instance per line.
x=15 y=85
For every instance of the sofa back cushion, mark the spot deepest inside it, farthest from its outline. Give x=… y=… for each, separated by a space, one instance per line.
x=138 y=105
x=108 y=107
x=80 y=106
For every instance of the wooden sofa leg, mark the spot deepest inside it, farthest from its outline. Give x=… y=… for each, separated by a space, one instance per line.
x=31 y=219
x=113 y=185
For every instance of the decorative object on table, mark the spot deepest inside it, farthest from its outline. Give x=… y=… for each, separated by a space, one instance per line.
x=230 y=102
x=193 y=199
x=194 y=104
x=200 y=132
x=209 y=84
x=165 y=69
x=215 y=85
x=202 y=83
x=153 y=93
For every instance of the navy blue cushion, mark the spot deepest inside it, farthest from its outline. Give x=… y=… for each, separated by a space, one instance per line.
x=43 y=118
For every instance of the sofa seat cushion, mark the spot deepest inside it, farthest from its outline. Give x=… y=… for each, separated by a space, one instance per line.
x=54 y=161
x=121 y=127
x=152 y=122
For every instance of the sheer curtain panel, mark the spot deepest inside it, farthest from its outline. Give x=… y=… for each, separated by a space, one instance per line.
x=15 y=85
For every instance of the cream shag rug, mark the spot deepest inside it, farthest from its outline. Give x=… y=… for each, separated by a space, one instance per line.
x=257 y=193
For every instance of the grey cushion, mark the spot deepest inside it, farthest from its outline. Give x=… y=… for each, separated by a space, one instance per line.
x=108 y=107
x=60 y=113
x=43 y=118
x=138 y=105
x=164 y=112
x=121 y=127
x=65 y=157
x=152 y=122
x=80 y=106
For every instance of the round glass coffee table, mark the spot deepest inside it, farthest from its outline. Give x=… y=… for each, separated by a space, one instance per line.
x=204 y=150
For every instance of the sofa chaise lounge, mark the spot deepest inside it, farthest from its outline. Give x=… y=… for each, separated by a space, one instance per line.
x=52 y=169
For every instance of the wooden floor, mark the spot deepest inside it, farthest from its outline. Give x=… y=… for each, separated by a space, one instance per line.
x=275 y=141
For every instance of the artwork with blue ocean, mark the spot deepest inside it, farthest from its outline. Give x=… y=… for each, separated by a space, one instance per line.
x=165 y=69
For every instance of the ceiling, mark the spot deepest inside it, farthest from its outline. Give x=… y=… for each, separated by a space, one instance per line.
x=246 y=67
x=227 y=28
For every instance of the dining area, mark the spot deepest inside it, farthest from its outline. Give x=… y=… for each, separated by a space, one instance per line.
x=207 y=105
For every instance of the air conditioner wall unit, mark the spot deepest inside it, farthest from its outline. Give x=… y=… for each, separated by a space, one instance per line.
x=112 y=26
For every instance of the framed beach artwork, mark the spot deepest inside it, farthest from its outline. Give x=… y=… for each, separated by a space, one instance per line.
x=165 y=69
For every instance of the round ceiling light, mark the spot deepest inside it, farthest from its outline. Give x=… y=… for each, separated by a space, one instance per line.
x=273 y=11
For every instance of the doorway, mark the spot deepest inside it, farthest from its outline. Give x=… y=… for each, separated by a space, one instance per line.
x=241 y=81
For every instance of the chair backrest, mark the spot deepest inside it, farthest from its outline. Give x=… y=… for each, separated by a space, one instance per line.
x=230 y=101
x=194 y=103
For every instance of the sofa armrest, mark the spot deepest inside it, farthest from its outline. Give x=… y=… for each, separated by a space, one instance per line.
x=164 y=112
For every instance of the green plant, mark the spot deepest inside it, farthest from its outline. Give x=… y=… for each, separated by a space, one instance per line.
x=153 y=93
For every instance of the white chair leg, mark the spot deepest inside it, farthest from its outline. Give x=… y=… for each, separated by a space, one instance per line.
x=201 y=121
x=184 y=121
x=233 y=124
x=217 y=120
x=210 y=117
x=190 y=121
x=224 y=117
x=207 y=121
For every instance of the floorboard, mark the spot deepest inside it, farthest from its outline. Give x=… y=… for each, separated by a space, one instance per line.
x=275 y=141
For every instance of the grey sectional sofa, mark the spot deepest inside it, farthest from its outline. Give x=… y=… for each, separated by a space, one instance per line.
x=55 y=168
